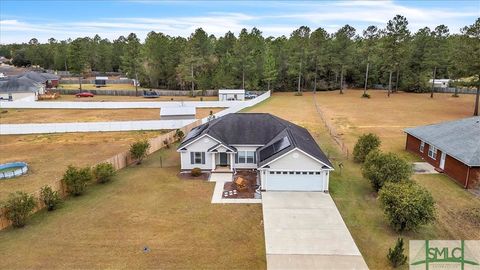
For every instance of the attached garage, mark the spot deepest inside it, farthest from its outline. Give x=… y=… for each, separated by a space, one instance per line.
x=296 y=181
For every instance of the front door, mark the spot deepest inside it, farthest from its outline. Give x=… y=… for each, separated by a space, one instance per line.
x=223 y=159
x=442 y=161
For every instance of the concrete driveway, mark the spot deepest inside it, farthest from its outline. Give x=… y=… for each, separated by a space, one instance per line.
x=304 y=230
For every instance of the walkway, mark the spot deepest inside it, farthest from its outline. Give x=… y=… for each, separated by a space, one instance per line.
x=304 y=230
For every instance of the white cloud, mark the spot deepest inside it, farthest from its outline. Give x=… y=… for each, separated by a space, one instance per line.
x=280 y=19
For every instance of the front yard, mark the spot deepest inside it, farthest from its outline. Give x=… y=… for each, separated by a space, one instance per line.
x=145 y=206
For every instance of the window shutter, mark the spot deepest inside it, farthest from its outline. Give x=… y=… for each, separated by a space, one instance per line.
x=254 y=157
x=236 y=157
x=192 y=158
x=203 y=157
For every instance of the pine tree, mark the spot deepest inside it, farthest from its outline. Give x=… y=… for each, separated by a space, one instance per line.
x=396 y=256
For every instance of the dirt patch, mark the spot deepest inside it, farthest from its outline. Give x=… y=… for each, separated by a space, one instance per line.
x=188 y=176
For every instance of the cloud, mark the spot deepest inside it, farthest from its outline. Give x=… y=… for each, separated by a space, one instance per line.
x=272 y=18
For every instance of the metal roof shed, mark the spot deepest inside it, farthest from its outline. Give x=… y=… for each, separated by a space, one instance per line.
x=177 y=113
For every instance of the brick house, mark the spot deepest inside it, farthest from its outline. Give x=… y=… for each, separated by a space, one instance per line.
x=451 y=147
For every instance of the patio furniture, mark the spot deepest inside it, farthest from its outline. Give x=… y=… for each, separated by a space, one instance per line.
x=241 y=183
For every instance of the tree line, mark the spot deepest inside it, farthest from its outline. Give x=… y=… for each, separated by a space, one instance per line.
x=393 y=57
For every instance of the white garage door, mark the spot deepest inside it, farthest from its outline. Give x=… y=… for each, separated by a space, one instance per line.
x=296 y=181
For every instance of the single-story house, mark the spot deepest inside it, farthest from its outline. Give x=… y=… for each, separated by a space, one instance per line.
x=46 y=79
x=231 y=94
x=452 y=147
x=177 y=113
x=284 y=155
x=101 y=81
x=440 y=83
x=20 y=88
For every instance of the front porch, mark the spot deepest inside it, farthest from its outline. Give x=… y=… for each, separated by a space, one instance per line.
x=222 y=161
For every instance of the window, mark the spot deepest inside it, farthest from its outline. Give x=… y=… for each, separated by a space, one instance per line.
x=422 y=146
x=304 y=172
x=285 y=172
x=317 y=172
x=297 y=172
x=245 y=157
x=432 y=152
x=272 y=172
x=279 y=172
x=197 y=157
x=310 y=172
x=290 y=172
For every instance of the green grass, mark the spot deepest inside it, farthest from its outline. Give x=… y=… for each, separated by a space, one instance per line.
x=144 y=206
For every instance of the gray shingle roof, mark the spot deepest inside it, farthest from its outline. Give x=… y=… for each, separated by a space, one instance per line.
x=258 y=129
x=19 y=84
x=459 y=139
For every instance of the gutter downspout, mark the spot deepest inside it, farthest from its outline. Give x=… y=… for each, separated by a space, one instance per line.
x=468 y=176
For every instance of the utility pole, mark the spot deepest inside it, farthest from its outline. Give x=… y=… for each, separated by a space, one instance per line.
x=299 y=77
x=433 y=81
x=366 y=80
x=390 y=83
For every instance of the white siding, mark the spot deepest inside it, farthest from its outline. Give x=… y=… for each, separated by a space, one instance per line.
x=186 y=163
x=200 y=145
x=245 y=165
x=295 y=160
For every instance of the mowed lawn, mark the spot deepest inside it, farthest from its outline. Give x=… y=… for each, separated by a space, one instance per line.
x=48 y=155
x=21 y=116
x=352 y=194
x=101 y=98
x=145 y=206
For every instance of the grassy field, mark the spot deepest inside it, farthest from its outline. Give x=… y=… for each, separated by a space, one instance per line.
x=107 y=87
x=19 y=116
x=100 y=98
x=387 y=117
x=48 y=155
x=145 y=206
x=352 y=194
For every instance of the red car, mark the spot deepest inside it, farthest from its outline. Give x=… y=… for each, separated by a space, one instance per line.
x=84 y=94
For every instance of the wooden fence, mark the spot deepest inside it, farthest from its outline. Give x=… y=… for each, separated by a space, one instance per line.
x=332 y=130
x=119 y=161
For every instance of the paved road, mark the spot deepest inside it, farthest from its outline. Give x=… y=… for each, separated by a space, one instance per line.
x=304 y=230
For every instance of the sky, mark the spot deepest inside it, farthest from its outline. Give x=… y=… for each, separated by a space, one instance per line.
x=22 y=20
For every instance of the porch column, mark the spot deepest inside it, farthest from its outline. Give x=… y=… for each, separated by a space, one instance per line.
x=213 y=161
x=231 y=161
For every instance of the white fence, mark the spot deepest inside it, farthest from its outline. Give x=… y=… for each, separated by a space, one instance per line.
x=6 y=129
x=117 y=105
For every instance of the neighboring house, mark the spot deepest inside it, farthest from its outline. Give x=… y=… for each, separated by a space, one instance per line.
x=46 y=79
x=231 y=94
x=285 y=155
x=20 y=88
x=440 y=83
x=177 y=113
x=452 y=147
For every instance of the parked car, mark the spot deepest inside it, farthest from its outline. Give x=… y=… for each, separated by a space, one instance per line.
x=249 y=95
x=84 y=94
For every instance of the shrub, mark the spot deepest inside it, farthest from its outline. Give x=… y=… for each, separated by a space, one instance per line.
x=17 y=208
x=395 y=255
x=365 y=144
x=380 y=168
x=196 y=172
x=298 y=93
x=365 y=95
x=76 y=179
x=179 y=134
x=103 y=172
x=139 y=149
x=407 y=205
x=50 y=198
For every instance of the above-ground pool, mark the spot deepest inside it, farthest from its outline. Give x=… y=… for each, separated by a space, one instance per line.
x=13 y=169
